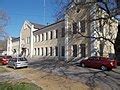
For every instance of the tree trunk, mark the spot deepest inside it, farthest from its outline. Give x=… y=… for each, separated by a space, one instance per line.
x=117 y=45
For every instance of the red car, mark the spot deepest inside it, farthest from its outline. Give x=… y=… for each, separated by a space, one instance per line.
x=4 y=59
x=102 y=63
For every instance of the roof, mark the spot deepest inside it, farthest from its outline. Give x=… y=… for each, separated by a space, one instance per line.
x=50 y=25
x=37 y=26
x=14 y=39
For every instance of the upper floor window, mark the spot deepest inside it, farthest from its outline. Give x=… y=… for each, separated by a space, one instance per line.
x=38 y=38
x=74 y=28
x=82 y=25
x=51 y=35
x=56 y=33
x=35 y=38
x=46 y=35
x=42 y=37
x=28 y=40
x=63 y=32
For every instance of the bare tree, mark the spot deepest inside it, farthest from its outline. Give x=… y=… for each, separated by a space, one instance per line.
x=3 y=23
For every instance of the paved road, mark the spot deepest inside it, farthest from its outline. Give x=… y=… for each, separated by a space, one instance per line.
x=106 y=80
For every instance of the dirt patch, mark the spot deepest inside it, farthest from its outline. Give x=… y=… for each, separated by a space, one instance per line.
x=50 y=81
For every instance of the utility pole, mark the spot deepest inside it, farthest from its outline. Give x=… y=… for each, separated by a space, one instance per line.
x=44 y=5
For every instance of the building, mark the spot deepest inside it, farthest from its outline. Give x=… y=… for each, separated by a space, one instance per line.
x=79 y=35
x=26 y=37
x=13 y=46
x=49 y=41
x=40 y=41
x=86 y=34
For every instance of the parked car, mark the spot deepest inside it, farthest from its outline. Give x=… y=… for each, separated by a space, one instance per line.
x=18 y=62
x=118 y=62
x=102 y=63
x=4 y=59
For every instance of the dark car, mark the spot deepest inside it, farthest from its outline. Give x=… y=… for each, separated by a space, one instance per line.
x=96 y=62
x=4 y=59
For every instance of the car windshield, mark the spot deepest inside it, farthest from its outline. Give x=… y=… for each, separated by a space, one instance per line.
x=9 y=57
x=22 y=59
x=13 y=59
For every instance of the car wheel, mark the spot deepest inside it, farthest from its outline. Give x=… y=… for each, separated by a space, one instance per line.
x=14 y=67
x=82 y=65
x=104 y=68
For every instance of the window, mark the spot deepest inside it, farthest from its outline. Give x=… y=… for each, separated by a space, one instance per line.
x=42 y=37
x=56 y=51
x=46 y=51
x=63 y=51
x=46 y=36
x=38 y=38
x=82 y=26
x=74 y=28
x=28 y=40
x=63 y=32
x=42 y=51
x=56 y=33
x=34 y=38
x=83 y=50
x=74 y=50
x=118 y=28
x=50 y=51
x=34 y=51
x=51 y=35
x=101 y=49
x=38 y=51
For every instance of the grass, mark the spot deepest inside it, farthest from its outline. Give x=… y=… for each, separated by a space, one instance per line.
x=2 y=70
x=19 y=86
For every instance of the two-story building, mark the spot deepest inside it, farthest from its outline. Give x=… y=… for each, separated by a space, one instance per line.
x=85 y=31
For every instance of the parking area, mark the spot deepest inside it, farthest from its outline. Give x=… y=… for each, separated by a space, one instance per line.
x=91 y=77
x=58 y=75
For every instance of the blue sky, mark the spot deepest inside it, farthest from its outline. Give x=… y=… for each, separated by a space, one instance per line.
x=32 y=10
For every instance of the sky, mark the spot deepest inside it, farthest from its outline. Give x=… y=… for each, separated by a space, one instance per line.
x=32 y=10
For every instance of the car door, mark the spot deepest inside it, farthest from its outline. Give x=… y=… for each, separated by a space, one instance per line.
x=96 y=62
x=93 y=62
x=89 y=62
x=0 y=59
x=10 y=62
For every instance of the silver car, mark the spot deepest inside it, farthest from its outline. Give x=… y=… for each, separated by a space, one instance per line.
x=18 y=62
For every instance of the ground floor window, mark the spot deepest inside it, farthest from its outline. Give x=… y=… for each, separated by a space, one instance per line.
x=74 y=50
x=46 y=49
x=56 y=51
x=34 y=51
x=38 y=51
x=42 y=51
x=63 y=51
x=83 y=50
x=50 y=51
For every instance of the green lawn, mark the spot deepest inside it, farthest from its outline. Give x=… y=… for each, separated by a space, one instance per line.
x=19 y=86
